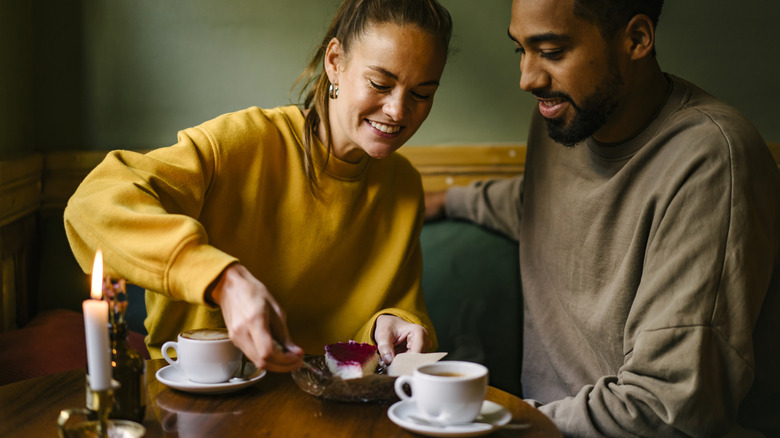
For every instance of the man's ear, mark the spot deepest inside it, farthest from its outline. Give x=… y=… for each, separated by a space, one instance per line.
x=640 y=37
x=333 y=57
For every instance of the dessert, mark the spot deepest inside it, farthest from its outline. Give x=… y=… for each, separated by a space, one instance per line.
x=351 y=360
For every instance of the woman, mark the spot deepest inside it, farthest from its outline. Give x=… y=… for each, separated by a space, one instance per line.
x=306 y=210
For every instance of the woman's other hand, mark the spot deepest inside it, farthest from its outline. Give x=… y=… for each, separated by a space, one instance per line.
x=394 y=335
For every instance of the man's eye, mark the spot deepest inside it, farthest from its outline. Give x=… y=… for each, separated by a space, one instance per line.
x=552 y=54
x=419 y=96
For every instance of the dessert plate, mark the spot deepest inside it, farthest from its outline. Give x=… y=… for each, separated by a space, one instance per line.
x=174 y=378
x=316 y=379
x=491 y=417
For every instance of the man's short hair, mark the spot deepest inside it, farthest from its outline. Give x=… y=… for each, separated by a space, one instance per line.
x=612 y=15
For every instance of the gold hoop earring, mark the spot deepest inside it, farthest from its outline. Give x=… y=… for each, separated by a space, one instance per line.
x=333 y=91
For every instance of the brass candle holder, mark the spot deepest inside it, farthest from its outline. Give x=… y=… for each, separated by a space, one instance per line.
x=96 y=422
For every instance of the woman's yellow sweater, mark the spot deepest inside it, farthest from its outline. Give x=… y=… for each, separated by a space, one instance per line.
x=235 y=189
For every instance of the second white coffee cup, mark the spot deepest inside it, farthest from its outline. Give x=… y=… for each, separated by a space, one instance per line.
x=447 y=392
x=204 y=355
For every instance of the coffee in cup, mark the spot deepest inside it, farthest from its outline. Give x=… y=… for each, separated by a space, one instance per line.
x=447 y=392
x=204 y=355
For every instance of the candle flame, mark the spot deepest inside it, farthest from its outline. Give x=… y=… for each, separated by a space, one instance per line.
x=97 y=276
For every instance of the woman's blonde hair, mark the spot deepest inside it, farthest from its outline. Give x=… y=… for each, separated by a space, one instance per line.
x=352 y=19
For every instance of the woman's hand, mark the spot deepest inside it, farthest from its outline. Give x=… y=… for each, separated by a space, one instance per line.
x=394 y=335
x=255 y=322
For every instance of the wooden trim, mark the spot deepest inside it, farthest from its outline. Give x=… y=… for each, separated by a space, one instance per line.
x=45 y=183
x=20 y=200
x=445 y=166
x=63 y=172
x=20 y=188
x=18 y=279
x=440 y=166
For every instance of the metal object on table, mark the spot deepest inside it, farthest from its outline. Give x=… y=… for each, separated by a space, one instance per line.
x=99 y=405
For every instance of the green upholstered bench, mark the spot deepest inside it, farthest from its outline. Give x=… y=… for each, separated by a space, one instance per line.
x=472 y=289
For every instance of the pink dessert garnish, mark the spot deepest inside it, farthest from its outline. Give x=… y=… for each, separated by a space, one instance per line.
x=351 y=360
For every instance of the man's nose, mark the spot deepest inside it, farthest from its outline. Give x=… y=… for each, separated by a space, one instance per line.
x=532 y=75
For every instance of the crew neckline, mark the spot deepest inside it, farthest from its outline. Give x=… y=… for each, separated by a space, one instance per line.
x=336 y=167
x=631 y=146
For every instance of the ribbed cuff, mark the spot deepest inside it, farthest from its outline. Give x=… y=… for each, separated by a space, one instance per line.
x=194 y=269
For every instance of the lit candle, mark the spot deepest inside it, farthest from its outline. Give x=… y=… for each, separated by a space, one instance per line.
x=96 y=330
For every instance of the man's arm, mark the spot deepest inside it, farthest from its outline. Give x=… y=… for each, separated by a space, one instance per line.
x=493 y=204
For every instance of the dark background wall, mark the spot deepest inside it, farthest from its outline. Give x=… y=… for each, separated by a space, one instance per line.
x=105 y=74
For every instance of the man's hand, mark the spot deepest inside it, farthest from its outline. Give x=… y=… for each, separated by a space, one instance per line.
x=434 y=205
x=394 y=335
x=255 y=322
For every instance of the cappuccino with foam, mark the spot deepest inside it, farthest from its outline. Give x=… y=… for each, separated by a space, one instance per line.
x=206 y=334
x=204 y=355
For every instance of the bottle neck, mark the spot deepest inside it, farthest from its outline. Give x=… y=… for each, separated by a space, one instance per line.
x=118 y=331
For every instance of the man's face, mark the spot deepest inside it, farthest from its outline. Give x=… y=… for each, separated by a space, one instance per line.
x=568 y=66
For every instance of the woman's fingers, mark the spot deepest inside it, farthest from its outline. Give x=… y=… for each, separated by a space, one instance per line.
x=254 y=320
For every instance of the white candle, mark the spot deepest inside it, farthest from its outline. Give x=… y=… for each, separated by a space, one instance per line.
x=96 y=330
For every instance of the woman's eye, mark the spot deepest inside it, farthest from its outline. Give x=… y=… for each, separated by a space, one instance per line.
x=520 y=50
x=378 y=87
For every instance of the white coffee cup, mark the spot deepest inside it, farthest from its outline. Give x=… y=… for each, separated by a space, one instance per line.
x=204 y=355
x=447 y=392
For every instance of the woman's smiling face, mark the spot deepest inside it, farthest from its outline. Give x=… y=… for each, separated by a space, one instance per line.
x=386 y=83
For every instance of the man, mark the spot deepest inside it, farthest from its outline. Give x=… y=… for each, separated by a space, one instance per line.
x=648 y=222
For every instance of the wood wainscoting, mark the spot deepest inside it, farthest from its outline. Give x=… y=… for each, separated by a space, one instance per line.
x=20 y=199
x=39 y=186
x=445 y=166
x=440 y=167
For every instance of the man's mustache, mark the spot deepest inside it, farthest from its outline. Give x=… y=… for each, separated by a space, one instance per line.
x=551 y=95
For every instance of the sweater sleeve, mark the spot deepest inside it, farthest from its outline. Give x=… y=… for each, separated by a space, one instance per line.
x=494 y=204
x=688 y=340
x=142 y=211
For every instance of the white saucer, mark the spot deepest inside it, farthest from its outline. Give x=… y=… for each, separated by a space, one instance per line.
x=492 y=416
x=173 y=377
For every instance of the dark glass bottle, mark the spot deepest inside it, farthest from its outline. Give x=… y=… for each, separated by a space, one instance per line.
x=129 y=368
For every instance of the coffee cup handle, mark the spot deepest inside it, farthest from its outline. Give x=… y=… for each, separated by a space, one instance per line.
x=399 y=387
x=164 y=351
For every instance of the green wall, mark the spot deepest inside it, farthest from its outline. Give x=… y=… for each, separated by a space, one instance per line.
x=16 y=78
x=130 y=73
x=106 y=74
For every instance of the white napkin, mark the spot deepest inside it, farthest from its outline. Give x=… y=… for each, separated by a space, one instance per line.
x=405 y=363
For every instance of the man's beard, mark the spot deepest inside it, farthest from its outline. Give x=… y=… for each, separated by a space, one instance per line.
x=588 y=117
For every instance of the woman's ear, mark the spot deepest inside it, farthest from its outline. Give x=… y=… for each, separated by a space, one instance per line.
x=333 y=59
x=640 y=37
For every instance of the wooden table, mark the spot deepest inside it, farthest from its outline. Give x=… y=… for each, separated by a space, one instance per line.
x=274 y=407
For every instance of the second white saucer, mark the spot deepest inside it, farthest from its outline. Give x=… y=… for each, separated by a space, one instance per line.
x=494 y=416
